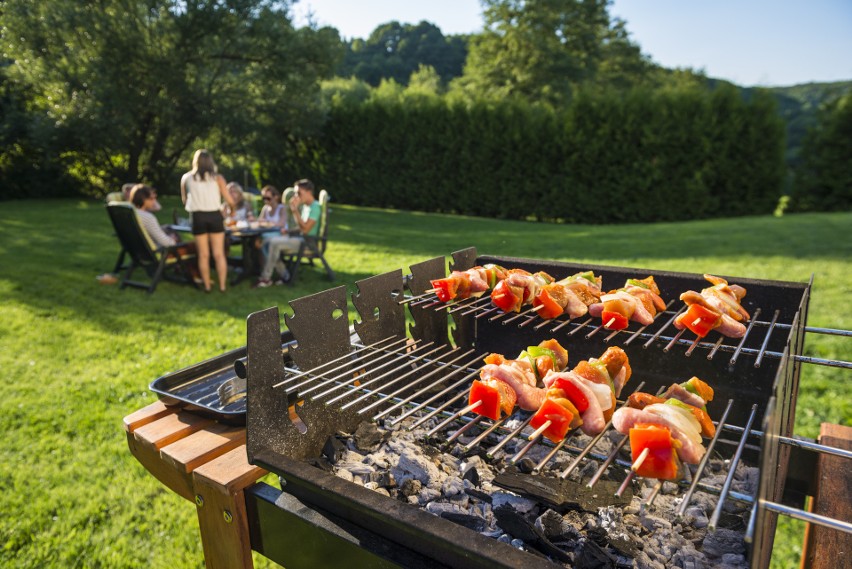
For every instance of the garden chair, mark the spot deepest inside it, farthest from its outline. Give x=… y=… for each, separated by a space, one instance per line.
x=313 y=247
x=157 y=262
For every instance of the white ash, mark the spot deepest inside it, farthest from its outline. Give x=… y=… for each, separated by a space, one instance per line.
x=641 y=536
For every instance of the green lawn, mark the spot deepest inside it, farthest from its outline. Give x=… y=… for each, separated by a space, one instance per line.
x=78 y=356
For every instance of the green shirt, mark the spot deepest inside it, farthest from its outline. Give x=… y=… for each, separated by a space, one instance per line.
x=313 y=211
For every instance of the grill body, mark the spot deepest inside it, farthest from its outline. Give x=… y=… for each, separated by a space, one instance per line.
x=286 y=430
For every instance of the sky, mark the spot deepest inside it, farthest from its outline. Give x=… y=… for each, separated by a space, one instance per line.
x=748 y=42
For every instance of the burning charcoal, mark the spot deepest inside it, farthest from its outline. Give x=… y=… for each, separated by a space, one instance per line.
x=334 y=449
x=475 y=523
x=557 y=528
x=564 y=494
x=515 y=524
x=696 y=517
x=452 y=486
x=417 y=466
x=353 y=462
x=484 y=496
x=723 y=541
x=734 y=559
x=472 y=475
x=440 y=508
x=368 y=438
x=428 y=494
x=344 y=474
x=526 y=465
x=382 y=479
x=669 y=488
x=653 y=523
x=411 y=487
x=517 y=503
x=590 y=555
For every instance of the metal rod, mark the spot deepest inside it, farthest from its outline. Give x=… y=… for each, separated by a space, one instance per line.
x=579 y=327
x=810 y=445
x=363 y=385
x=663 y=327
x=415 y=297
x=464 y=429
x=423 y=390
x=726 y=487
x=593 y=442
x=485 y=433
x=698 y=473
x=420 y=380
x=817 y=361
x=464 y=304
x=519 y=315
x=742 y=342
x=343 y=357
x=630 y=476
x=332 y=374
x=766 y=339
x=674 y=340
x=493 y=450
x=749 y=535
x=476 y=306
x=605 y=464
x=498 y=316
x=486 y=313
x=809 y=517
x=549 y=455
x=393 y=361
x=653 y=495
x=446 y=404
x=453 y=417
x=532 y=441
x=593 y=332
x=715 y=347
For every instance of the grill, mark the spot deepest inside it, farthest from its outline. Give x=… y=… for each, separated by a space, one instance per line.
x=324 y=377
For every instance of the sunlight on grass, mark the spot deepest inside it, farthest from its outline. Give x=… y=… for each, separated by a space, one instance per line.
x=79 y=356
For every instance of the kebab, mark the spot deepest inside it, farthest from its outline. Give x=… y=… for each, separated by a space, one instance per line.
x=583 y=397
x=638 y=300
x=665 y=431
x=714 y=308
x=518 y=288
x=503 y=383
x=572 y=296
x=473 y=282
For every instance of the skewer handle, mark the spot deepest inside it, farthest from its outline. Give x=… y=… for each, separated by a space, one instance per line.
x=608 y=324
x=637 y=464
x=470 y=407
x=540 y=430
x=430 y=290
x=696 y=322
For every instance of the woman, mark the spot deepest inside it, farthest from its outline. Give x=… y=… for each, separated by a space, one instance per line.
x=202 y=190
x=273 y=214
x=241 y=210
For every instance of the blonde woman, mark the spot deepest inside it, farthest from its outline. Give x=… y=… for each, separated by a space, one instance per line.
x=202 y=190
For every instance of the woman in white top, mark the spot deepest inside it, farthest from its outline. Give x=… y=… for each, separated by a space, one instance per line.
x=202 y=190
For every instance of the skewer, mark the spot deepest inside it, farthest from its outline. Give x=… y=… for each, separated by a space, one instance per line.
x=608 y=324
x=496 y=425
x=692 y=347
x=464 y=429
x=715 y=347
x=630 y=476
x=486 y=313
x=520 y=315
x=642 y=329
x=413 y=298
x=453 y=417
x=674 y=340
x=637 y=464
x=537 y=308
x=537 y=433
x=664 y=326
x=595 y=331
x=696 y=322
x=492 y=452
x=430 y=290
x=607 y=461
x=653 y=495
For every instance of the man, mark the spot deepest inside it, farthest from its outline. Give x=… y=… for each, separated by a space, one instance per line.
x=306 y=213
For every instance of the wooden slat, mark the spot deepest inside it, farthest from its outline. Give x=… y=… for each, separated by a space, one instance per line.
x=169 y=429
x=827 y=548
x=149 y=414
x=231 y=471
x=223 y=523
x=177 y=481
x=200 y=447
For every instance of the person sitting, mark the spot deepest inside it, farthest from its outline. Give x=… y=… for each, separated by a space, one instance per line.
x=306 y=213
x=126 y=189
x=241 y=212
x=273 y=213
x=144 y=199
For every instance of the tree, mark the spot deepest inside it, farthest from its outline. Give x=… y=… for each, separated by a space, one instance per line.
x=824 y=179
x=130 y=85
x=542 y=50
x=395 y=51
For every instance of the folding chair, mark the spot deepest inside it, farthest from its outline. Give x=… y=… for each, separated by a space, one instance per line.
x=157 y=262
x=313 y=246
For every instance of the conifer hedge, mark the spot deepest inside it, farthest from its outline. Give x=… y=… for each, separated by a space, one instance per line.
x=640 y=156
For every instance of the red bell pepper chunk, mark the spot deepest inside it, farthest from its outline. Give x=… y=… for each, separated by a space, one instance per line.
x=572 y=393
x=505 y=298
x=490 y=398
x=619 y=321
x=445 y=288
x=661 y=462
x=551 y=307
x=701 y=320
x=560 y=420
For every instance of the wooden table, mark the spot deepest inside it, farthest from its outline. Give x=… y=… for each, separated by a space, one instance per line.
x=206 y=463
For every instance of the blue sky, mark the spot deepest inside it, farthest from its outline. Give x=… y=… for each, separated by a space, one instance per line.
x=749 y=42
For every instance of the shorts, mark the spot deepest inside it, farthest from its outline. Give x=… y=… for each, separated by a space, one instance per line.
x=207 y=222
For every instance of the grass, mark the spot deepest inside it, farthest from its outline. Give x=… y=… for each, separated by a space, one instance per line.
x=78 y=356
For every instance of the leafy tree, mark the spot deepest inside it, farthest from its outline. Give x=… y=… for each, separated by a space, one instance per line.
x=129 y=86
x=395 y=51
x=542 y=50
x=824 y=180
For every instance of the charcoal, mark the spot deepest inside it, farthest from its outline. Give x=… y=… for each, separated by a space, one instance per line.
x=625 y=546
x=472 y=475
x=696 y=517
x=526 y=465
x=321 y=463
x=476 y=523
x=562 y=494
x=411 y=487
x=518 y=503
x=368 y=438
x=723 y=541
x=333 y=449
x=590 y=555
x=452 y=486
x=484 y=496
x=382 y=479
x=517 y=525
x=417 y=466
x=556 y=527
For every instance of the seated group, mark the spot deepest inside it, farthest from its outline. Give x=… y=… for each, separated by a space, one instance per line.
x=303 y=211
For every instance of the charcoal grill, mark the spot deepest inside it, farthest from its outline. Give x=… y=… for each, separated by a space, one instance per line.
x=332 y=377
